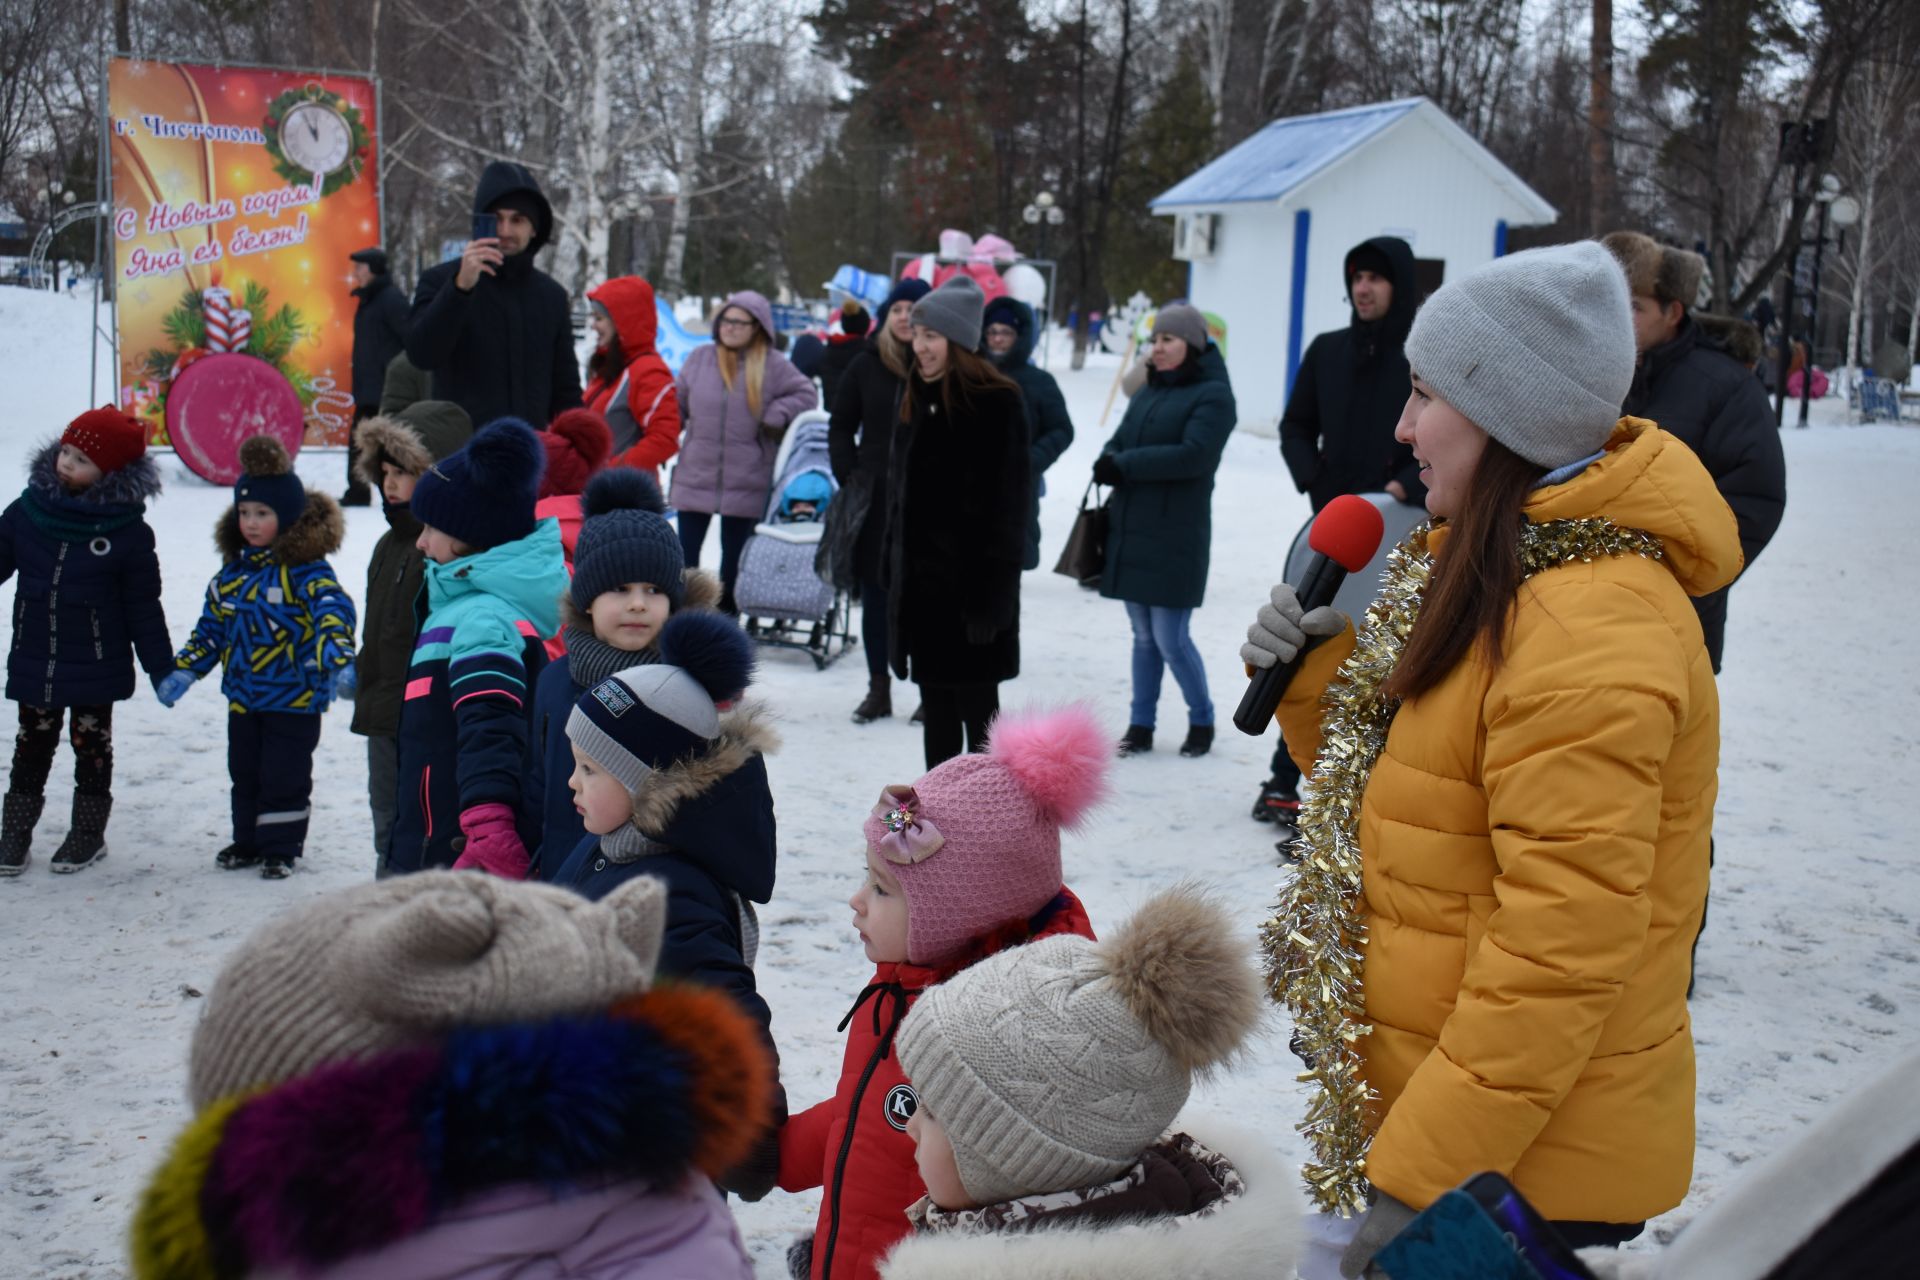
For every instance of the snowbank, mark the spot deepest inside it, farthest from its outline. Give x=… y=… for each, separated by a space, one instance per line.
x=1810 y=970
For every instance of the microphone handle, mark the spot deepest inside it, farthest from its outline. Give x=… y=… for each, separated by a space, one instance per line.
x=1257 y=704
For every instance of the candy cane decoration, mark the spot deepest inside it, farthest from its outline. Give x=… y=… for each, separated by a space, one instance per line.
x=217 y=304
x=239 y=330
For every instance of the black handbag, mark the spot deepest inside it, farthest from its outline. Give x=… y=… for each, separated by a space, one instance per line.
x=1085 y=554
x=846 y=515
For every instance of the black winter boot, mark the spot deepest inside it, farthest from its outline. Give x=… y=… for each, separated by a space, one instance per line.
x=86 y=841
x=236 y=857
x=877 y=705
x=17 y=817
x=1137 y=740
x=1276 y=802
x=1199 y=740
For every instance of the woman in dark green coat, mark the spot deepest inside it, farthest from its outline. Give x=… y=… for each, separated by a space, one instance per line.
x=1161 y=463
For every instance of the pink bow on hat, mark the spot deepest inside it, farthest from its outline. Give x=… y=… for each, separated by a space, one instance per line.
x=909 y=838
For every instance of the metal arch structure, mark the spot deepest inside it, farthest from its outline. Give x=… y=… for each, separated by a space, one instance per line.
x=43 y=243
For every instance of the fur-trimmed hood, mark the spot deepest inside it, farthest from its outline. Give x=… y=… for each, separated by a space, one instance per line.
x=693 y=805
x=1254 y=1234
x=702 y=591
x=317 y=534
x=413 y=439
x=132 y=486
x=364 y=1153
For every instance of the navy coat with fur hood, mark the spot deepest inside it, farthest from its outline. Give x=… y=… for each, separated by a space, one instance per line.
x=1049 y=426
x=89 y=595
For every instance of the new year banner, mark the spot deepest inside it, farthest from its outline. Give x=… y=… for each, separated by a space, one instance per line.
x=237 y=195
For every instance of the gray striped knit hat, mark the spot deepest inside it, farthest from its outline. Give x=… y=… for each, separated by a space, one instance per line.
x=406 y=960
x=1536 y=349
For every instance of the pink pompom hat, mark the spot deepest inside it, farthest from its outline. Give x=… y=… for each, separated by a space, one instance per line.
x=975 y=843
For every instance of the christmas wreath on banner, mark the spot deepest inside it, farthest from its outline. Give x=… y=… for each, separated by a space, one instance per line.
x=360 y=138
x=203 y=323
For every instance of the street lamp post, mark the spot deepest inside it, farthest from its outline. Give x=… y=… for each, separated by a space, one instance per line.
x=1843 y=211
x=1043 y=213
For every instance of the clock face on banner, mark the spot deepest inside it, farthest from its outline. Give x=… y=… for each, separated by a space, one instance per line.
x=316 y=138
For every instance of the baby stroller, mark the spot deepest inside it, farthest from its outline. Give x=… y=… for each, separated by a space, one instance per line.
x=782 y=601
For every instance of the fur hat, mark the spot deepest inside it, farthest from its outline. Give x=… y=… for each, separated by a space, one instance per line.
x=110 y=439
x=625 y=537
x=266 y=476
x=975 y=843
x=1657 y=271
x=646 y=717
x=953 y=310
x=405 y=960
x=411 y=438
x=1535 y=348
x=484 y=494
x=578 y=443
x=1053 y=1065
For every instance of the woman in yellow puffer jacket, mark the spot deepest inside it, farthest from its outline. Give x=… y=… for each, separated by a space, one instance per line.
x=1514 y=767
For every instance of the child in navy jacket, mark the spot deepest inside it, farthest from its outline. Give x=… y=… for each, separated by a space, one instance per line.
x=88 y=602
x=628 y=578
x=670 y=780
x=494 y=577
x=282 y=624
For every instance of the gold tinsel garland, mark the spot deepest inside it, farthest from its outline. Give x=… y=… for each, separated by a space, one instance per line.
x=1315 y=940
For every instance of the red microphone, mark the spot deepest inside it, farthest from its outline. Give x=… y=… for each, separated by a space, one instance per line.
x=1344 y=537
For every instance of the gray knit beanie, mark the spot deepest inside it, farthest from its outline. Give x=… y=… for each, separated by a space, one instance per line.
x=1053 y=1065
x=954 y=310
x=1536 y=349
x=1183 y=322
x=406 y=960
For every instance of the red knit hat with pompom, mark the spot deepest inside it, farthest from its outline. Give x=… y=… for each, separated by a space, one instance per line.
x=975 y=844
x=578 y=443
x=110 y=439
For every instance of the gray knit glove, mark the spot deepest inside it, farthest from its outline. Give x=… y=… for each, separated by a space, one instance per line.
x=1387 y=1219
x=1281 y=630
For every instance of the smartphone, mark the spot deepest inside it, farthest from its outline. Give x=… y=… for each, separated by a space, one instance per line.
x=486 y=226
x=1533 y=1235
x=1454 y=1239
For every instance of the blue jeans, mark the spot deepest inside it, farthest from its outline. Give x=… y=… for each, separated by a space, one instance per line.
x=1160 y=640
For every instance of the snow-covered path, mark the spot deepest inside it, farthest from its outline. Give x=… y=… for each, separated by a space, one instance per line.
x=1810 y=971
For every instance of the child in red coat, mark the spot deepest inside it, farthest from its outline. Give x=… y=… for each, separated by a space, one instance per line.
x=961 y=865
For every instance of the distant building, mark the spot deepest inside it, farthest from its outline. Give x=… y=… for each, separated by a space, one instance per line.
x=1266 y=228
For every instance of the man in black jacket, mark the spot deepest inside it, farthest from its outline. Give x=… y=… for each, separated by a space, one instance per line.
x=494 y=332
x=379 y=333
x=1694 y=389
x=1337 y=432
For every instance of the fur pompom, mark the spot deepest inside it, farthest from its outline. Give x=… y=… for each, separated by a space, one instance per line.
x=505 y=456
x=1185 y=973
x=1059 y=756
x=620 y=489
x=264 y=456
x=587 y=432
x=712 y=649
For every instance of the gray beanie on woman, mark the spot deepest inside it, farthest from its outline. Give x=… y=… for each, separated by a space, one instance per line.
x=1183 y=322
x=953 y=311
x=1536 y=349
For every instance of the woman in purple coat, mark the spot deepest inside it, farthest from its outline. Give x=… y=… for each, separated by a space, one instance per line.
x=737 y=397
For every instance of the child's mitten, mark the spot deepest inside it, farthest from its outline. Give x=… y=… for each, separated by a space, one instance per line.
x=346 y=682
x=170 y=687
x=493 y=843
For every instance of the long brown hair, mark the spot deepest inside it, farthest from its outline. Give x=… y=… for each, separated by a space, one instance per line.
x=895 y=354
x=756 y=362
x=606 y=363
x=967 y=375
x=1476 y=577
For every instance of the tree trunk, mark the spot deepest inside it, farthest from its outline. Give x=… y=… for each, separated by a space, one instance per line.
x=1601 y=199
x=1862 y=257
x=688 y=132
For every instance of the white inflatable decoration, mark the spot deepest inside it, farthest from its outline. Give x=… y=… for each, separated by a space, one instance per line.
x=1028 y=285
x=1122 y=321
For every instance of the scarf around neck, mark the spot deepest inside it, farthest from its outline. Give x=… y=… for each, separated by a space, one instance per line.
x=591 y=659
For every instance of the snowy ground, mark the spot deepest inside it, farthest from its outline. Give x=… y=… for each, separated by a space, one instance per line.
x=1810 y=973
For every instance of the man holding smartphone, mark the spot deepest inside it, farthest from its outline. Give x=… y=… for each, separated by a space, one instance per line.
x=493 y=331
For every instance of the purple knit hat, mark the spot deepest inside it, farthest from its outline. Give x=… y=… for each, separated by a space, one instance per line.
x=975 y=843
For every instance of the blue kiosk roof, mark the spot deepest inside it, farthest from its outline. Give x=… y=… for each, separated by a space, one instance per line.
x=1283 y=155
